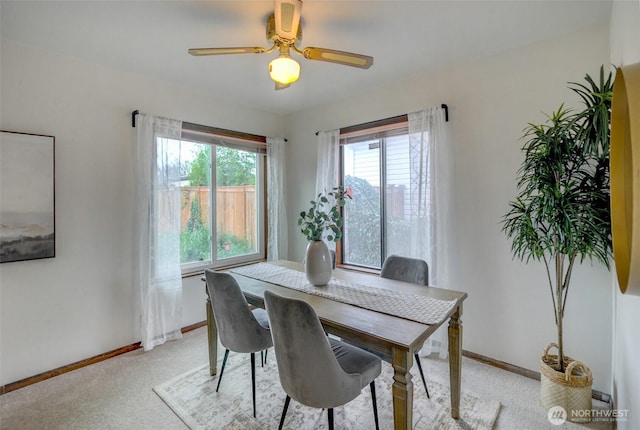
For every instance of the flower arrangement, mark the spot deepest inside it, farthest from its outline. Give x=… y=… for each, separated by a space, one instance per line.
x=314 y=222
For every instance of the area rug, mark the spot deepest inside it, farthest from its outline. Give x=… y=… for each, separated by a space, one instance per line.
x=193 y=398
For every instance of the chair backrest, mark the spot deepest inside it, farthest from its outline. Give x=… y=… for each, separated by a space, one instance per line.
x=405 y=269
x=238 y=329
x=309 y=371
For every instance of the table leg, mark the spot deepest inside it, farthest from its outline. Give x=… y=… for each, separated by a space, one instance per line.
x=455 y=360
x=212 y=336
x=402 y=390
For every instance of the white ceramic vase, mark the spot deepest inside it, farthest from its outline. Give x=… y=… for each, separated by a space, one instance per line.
x=317 y=264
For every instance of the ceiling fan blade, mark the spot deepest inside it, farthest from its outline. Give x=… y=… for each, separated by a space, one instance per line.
x=287 y=17
x=280 y=86
x=340 y=57
x=224 y=51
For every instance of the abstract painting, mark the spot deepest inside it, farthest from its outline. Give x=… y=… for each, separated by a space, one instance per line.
x=27 y=196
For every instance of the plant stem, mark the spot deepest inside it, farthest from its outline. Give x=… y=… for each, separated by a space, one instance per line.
x=559 y=273
x=553 y=296
x=567 y=280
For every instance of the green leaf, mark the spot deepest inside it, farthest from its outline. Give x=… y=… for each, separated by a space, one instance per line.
x=562 y=204
x=317 y=219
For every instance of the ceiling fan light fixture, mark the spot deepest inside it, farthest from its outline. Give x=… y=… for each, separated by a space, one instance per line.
x=284 y=32
x=284 y=69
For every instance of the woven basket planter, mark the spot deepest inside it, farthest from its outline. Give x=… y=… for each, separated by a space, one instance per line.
x=571 y=389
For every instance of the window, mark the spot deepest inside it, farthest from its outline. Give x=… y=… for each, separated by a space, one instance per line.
x=375 y=166
x=222 y=199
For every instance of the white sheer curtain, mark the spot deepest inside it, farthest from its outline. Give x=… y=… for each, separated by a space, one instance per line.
x=278 y=240
x=328 y=165
x=157 y=228
x=430 y=201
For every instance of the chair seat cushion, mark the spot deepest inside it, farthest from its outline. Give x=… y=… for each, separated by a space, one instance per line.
x=356 y=360
x=262 y=317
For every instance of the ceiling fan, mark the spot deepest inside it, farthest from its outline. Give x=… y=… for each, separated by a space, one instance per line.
x=284 y=31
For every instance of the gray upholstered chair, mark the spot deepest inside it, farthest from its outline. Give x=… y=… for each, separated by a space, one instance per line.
x=405 y=269
x=239 y=328
x=314 y=369
x=408 y=270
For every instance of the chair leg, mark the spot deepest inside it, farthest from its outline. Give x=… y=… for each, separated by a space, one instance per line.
x=284 y=412
x=253 y=381
x=262 y=358
x=424 y=382
x=224 y=362
x=373 y=400
x=330 y=414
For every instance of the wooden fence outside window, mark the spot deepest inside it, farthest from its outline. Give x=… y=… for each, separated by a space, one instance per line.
x=235 y=209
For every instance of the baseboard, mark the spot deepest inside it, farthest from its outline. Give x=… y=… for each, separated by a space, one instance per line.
x=598 y=395
x=82 y=363
x=194 y=326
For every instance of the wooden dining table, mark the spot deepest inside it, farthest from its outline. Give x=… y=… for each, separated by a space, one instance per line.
x=392 y=336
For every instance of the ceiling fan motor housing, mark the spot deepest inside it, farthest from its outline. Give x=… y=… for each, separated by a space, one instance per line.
x=275 y=38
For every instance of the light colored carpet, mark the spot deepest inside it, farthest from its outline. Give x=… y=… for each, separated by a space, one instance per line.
x=117 y=394
x=193 y=398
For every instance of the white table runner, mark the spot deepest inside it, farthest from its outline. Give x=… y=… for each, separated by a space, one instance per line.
x=409 y=306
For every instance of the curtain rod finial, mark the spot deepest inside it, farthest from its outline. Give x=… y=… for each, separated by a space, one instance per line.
x=133 y=117
x=446 y=111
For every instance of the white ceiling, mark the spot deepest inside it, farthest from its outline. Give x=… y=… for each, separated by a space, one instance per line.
x=406 y=38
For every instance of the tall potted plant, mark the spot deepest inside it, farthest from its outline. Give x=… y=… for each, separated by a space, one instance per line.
x=561 y=215
x=322 y=220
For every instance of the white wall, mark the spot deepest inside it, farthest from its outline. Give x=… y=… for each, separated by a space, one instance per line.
x=82 y=303
x=625 y=49
x=508 y=315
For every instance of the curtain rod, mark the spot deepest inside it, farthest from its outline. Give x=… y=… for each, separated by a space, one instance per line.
x=136 y=112
x=443 y=106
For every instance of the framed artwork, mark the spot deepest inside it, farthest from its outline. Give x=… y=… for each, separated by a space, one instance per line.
x=27 y=196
